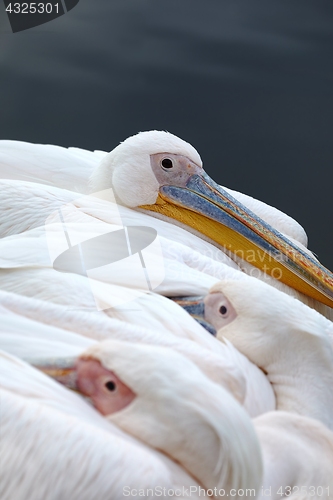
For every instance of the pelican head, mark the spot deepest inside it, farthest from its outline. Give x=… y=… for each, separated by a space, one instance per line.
x=159 y=173
x=253 y=314
x=291 y=342
x=164 y=400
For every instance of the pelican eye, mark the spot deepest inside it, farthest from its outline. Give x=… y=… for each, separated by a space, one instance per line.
x=167 y=163
x=223 y=310
x=111 y=386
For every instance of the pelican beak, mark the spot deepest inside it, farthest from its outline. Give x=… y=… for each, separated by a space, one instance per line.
x=208 y=209
x=195 y=306
x=63 y=370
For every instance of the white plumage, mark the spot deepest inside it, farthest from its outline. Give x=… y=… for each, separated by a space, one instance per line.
x=298 y=457
x=188 y=385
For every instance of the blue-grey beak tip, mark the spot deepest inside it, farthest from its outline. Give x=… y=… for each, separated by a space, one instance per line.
x=195 y=306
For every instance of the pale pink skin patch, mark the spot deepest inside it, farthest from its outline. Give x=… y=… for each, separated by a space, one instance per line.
x=219 y=311
x=108 y=393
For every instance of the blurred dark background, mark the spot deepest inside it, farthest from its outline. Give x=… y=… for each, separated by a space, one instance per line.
x=248 y=83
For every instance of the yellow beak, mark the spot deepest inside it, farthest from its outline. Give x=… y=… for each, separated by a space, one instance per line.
x=208 y=209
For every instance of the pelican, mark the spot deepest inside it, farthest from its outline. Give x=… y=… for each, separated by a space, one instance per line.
x=291 y=342
x=174 y=185
x=160 y=174
x=55 y=445
x=159 y=401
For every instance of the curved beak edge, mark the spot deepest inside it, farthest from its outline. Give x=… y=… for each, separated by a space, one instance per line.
x=208 y=209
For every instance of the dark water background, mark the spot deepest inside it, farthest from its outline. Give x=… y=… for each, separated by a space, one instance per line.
x=248 y=82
